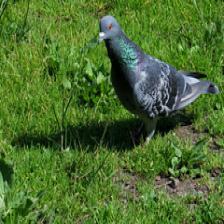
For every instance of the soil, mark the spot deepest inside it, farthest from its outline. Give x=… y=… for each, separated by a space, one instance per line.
x=214 y=146
x=181 y=187
x=216 y=172
x=188 y=132
x=128 y=183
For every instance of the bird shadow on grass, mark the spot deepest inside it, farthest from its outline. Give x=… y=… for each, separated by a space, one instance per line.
x=7 y=171
x=113 y=135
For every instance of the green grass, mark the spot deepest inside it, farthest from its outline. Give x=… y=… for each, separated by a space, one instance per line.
x=100 y=177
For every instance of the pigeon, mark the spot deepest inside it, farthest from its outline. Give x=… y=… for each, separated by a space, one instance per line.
x=145 y=85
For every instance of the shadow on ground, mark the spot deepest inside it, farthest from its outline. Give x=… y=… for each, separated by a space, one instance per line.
x=115 y=135
x=7 y=171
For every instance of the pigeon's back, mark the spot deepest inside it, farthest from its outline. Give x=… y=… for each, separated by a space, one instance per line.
x=162 y=89
x=158 y=88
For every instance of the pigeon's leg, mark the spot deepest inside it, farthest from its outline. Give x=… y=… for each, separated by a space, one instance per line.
x=135 y=135
x=140 y=129
x=150 y=127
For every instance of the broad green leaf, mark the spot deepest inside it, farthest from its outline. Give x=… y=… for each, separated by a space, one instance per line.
x=174 y=161
x=183 y=169
x=89 y=69
x=173 y=172
x=178 y=152
x=100 y=78
x=66 y=83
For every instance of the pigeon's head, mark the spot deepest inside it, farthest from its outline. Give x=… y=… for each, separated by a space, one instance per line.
x=109 y=28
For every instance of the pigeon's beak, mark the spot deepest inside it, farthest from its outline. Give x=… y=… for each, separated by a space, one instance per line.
x=102 y=36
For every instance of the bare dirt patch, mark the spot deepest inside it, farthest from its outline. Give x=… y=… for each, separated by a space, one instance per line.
x=216 y=172
x=215 y=146
x=189 y=132
x=181 y=187
x=127 y=181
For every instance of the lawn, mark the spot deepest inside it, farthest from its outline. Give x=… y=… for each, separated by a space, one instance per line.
x=66 y=148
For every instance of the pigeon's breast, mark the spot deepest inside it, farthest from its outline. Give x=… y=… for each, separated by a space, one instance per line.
x=123 y=88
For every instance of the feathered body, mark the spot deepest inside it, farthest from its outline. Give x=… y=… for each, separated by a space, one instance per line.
x=145 y=85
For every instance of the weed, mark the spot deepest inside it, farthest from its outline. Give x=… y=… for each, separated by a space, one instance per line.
x=189 y=162
x=3 y=7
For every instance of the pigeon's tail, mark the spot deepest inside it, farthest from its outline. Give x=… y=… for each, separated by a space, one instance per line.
x=197 y=75
x=194 y=89
x=212 y=88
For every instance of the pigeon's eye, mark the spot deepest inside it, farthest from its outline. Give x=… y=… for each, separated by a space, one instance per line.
x=109 y=27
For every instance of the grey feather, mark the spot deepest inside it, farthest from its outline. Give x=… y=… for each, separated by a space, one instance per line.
x=145 y=85
x=197 y=75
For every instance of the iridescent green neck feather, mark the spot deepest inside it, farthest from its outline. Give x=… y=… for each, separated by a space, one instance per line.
x=128 y=53
x=122 y=51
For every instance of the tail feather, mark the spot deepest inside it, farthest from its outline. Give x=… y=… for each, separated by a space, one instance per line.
x=197 y=75
x=213 y=89
x=193 y=91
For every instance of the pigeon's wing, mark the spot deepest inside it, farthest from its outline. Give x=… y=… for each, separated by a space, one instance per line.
x=158 y=89
x=161 y=89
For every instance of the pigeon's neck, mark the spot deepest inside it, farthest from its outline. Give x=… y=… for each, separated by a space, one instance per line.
x=123 y=52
